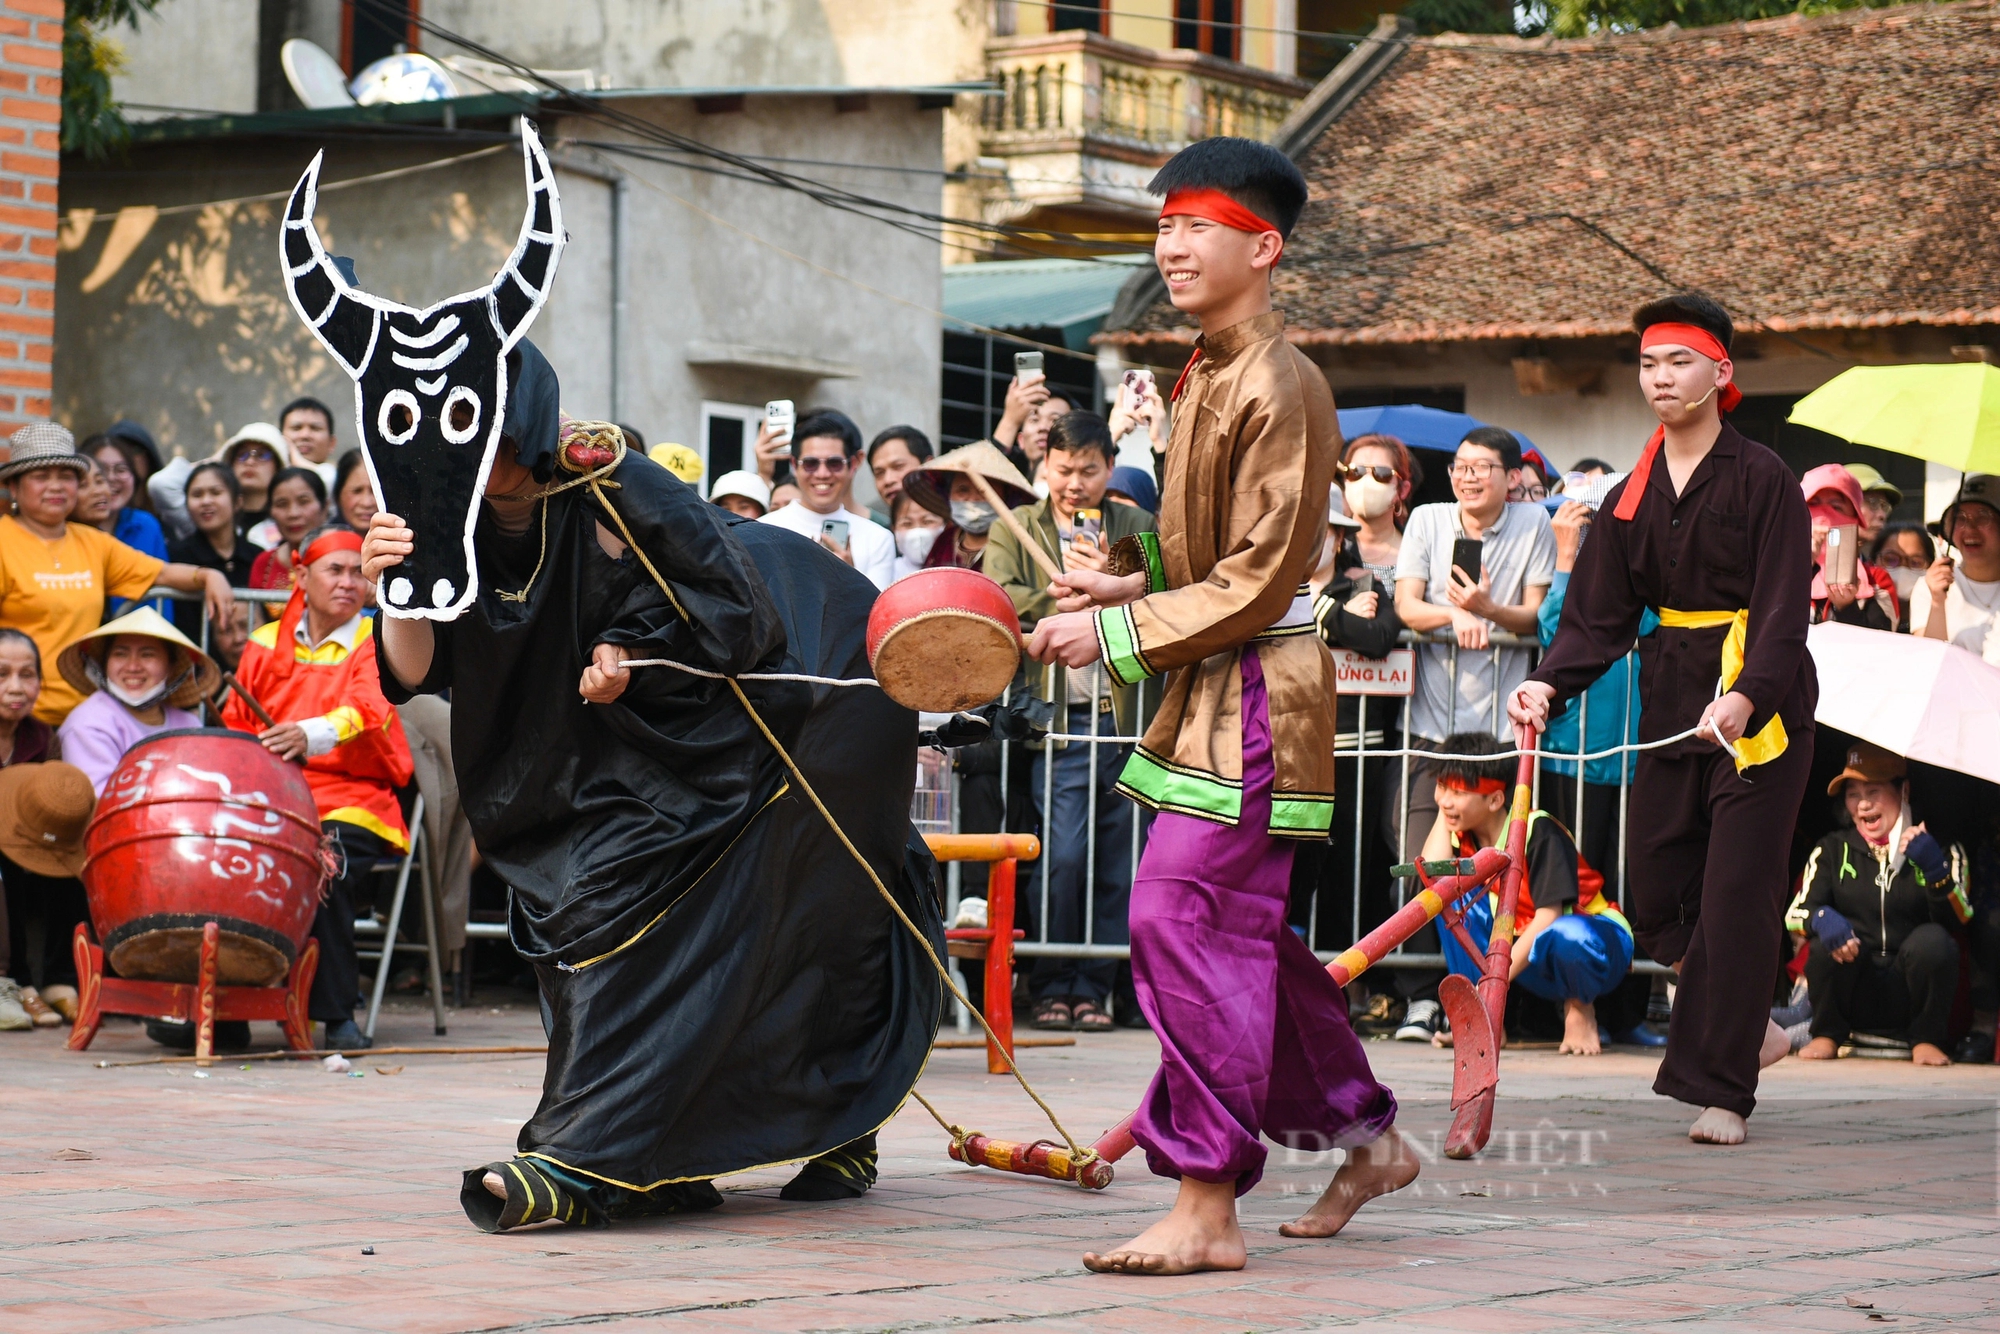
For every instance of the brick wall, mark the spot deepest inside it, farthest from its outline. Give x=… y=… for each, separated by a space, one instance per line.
x=30 y=130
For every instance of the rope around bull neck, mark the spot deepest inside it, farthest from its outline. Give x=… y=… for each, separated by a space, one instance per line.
x=594 y=480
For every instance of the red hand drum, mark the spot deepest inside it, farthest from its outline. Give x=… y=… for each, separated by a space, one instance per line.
x=201 y=826
x=944 y=640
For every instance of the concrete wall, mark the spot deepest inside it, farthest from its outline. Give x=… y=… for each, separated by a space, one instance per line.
x=178 y=318
x=30 y=130
x=196 y=54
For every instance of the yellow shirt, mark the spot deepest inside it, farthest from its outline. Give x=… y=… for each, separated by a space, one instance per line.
x=54 y=592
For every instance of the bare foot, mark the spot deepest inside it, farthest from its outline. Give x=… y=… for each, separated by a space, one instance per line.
x=1716 y=1125
x=1371 y=1170
x=1923 y=1053
x=1579 y=1029
x=1820 y=1049
x=494 y=1185
x=1200 y=1234
x=1777 y=1044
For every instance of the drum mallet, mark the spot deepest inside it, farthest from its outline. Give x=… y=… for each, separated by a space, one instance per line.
x=1014 y=526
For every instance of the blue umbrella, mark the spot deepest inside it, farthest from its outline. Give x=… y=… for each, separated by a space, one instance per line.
x=1416 y=426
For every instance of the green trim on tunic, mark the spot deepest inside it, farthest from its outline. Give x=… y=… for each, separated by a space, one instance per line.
x=1163 y=785
x=1301 y=815
x=1156 y=569
x=1118 y=643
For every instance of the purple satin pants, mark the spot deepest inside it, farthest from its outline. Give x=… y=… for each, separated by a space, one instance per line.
x=1253 y=1033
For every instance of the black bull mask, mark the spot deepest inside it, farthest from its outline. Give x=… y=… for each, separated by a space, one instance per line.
x=430 y=386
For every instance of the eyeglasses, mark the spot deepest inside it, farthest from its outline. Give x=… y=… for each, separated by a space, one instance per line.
x=1477 y=468
x=1529 y=492
x=1354 y=472
x=836 y=464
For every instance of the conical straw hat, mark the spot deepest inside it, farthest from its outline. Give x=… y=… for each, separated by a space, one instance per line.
x=930 y=485
x=201 y=683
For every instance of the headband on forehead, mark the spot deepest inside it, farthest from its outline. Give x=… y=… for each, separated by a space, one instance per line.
x=1483 y=786
x=1216 y=207
x=336 y=539
x=1691 y=336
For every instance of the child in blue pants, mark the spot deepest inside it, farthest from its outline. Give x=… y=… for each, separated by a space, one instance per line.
x=1575 y=945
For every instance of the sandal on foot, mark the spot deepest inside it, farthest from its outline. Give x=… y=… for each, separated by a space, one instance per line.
x=532 y=1197
x=1090 y=1019
x=1052 y=1013
x=844 y=1174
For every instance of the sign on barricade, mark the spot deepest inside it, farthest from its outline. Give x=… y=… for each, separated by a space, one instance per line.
x=1393 y=675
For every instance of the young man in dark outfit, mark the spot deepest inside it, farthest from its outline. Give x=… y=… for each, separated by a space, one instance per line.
x=1711 y=532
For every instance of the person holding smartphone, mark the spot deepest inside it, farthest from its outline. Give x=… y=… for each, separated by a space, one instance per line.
x=1845 y=587
x=826 y=448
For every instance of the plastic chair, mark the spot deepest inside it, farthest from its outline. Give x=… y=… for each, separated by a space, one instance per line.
x=418 y=859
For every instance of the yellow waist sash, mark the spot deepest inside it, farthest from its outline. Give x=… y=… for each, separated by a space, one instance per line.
x=1769 y=743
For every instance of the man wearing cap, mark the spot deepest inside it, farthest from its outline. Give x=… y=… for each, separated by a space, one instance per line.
x=1880 y=900
x=314 y=671
x=742 y=493
x=1711 y=532
x=1958 y=600
x=138 y=675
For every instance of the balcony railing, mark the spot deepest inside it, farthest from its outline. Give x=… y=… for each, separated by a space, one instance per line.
x=1075 y=85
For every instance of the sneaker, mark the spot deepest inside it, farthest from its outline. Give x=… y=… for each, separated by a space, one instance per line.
x=1659 y=1009
x=43 y=1016
x=1420 y=1021
x=179 y=1034
x=1975 y=1048
x=13 y=1016
x=1382 y=1014
x=1640 y=1034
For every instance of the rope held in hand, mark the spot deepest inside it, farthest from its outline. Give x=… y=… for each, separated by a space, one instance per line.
x=1083 y=1154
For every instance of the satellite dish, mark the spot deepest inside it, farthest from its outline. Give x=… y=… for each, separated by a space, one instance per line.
x=314 y=75
x=405 y=77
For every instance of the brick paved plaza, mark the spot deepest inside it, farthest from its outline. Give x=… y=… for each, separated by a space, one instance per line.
x=244 y=1200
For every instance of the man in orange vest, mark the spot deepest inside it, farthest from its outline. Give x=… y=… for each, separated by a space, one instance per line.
x=1576 y=946
x=313 y=669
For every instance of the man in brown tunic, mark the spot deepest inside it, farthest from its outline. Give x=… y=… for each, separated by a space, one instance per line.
x=1239 y=760
x=1710 y=530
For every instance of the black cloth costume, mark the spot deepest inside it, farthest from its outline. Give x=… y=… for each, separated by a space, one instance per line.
x=1706 y=866
x=723 y=987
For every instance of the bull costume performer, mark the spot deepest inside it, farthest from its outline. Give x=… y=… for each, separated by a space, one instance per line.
x=722 y=986
x=1711 y=532
x=1239 y=760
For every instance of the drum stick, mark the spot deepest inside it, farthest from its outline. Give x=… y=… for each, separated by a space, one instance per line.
x=1034 y=549
x=263 y=715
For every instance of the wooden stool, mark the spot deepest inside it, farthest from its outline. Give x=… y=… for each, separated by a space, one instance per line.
x=201 y=1002
x=993 y=942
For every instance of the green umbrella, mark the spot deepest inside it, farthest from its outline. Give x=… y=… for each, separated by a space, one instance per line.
x=1948 y=414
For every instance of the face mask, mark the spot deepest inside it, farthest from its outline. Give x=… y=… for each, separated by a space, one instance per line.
x=916 y=543
x=132 y=700
x=1905 y=579
x=974 y=516
x=1369 y=499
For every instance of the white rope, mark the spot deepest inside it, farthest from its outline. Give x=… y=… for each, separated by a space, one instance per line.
x=1411 y=752
x=753 y=676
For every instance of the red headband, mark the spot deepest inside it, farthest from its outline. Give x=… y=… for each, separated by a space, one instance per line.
x=327 y=543
x=1216 y=207
x=1483 y=787
x=1695 y=339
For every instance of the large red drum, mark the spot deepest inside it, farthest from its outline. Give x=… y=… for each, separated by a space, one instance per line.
x=944 y=640
x=203 y=826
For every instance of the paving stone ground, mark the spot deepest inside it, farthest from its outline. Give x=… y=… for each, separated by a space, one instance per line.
x=243 y=1201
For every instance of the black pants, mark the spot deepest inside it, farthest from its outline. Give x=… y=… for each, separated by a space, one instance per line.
x=1598 y=840
x=1706 y=874
x=59 y=903
x=336 y=987
x=1908 y=993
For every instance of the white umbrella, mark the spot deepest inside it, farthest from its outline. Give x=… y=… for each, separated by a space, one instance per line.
x=1924 y=699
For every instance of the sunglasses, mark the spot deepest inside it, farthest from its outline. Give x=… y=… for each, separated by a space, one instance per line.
x=255 y=454
x=836 y=464
x=1354 y=472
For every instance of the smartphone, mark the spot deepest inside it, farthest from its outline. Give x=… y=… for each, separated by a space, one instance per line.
x=1843 y=553
x=1027 y=364
x=780 y=416
x=1140 y=382
x=1363 y=583
x=1088 y=530
x=1465 y=555
x=834 y=531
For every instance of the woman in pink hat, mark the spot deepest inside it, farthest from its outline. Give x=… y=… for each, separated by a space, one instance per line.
x=1834 y=499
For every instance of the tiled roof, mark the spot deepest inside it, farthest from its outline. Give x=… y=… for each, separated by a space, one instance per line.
x=1825 y=173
